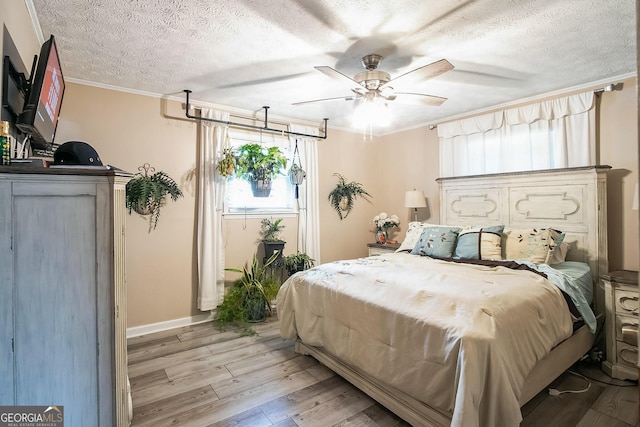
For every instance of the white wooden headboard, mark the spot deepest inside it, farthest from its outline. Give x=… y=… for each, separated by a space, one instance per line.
x=572 y=200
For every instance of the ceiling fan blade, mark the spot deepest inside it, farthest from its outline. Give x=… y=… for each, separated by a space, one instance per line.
x=419 y=98
x=346 y=98
x=422 y=73
x=346 y=81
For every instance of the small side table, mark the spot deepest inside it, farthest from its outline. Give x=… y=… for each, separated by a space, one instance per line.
x=378 y=248
x=621 y=304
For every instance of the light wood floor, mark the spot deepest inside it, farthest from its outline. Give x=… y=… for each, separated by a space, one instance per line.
x=200 y=376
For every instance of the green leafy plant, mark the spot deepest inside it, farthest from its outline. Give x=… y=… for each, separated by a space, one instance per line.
x=270 y=229
x=255 y=163
x=146 y=193
x=249 y=300
x=343 y=196
x=298 y=262
x=227 y=163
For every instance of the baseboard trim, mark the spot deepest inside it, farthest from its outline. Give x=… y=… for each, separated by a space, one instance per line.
x=136 y=331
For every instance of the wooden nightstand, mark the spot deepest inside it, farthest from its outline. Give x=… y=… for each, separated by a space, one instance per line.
x=621 y=303
x=377 y=248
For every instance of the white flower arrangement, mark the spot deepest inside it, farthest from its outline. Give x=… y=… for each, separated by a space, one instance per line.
x=384 y=221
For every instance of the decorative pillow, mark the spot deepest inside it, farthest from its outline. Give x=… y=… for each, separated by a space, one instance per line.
x=437 y=241
x=560 y=253
x=480 y=243
x=535 y=245
x=414 y=231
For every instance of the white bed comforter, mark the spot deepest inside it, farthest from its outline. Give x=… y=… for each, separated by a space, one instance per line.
x=461 y=338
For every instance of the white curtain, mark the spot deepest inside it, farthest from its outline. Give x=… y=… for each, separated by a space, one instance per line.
x=308 y=200
x=211 y=189
x=558 y=133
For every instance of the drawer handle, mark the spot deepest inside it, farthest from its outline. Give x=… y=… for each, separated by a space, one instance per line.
x=629 y=304
x=630 y=334
x=629 y=356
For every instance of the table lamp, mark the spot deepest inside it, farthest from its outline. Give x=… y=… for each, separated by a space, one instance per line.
x=415 y=199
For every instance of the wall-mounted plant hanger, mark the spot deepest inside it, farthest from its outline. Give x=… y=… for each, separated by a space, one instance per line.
x=264 y=128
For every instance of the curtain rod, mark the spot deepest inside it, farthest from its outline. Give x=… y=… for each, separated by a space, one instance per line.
x=264 y=128
x=608 y=88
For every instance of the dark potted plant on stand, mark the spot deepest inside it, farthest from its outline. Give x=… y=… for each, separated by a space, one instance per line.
x=298 y=262
x=343 y=196
x=270 y=230
x=146 y=193
x=259 y=165
x=249 y=300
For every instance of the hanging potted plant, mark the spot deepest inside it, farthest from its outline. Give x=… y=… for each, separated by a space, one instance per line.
x=227 y=163
x=343 y=196
x=259 y=165
x=146 y=193
x=296 y=173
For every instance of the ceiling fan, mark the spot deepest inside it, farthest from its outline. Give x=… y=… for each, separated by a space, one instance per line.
x=373 y=84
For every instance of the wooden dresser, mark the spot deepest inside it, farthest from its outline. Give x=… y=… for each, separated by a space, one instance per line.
x=621 y=302
x=63 y=293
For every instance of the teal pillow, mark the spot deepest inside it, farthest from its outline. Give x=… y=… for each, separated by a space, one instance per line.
x=437 y=242
x=480 y=243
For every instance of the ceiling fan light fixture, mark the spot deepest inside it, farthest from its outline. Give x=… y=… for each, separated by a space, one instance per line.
x=371 y=112
x=386 y=92
x=372 y=79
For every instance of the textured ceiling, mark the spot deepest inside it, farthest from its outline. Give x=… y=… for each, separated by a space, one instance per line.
x=249 y=53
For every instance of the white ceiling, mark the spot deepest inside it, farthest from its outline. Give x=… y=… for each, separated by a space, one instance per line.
x=249 y=53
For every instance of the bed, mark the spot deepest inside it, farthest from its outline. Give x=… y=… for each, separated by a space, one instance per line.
x=449 y=343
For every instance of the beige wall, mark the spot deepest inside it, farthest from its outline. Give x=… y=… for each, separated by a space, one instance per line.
x=356 y=159
x=410 y=160
x=129 y=130
x=15 y=18
x=619 y=149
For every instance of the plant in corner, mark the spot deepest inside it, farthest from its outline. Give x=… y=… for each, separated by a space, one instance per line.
x=298 y=262
x=249 y=300
x=259 y=165
x=147 y=191
x=343 y=196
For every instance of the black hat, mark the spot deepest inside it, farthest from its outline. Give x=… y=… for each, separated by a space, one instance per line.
x=76 y=153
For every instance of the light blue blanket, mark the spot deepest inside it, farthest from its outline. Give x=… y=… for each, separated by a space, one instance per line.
x=575 y=285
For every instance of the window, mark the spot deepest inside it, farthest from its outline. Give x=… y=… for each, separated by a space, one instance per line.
x=557 y=133
x=239 y=198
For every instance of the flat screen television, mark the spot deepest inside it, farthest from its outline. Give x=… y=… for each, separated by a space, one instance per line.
x=39 y=118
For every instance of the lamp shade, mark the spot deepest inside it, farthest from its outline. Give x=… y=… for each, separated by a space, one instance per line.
x=415 y=199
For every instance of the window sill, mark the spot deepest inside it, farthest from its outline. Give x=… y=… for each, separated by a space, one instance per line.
x=262 y=214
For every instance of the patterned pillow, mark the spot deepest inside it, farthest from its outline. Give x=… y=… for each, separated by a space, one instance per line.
x=411 y=238
x=531 y=244
x=414 y=231
x=480 y=243
x=437 y=241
